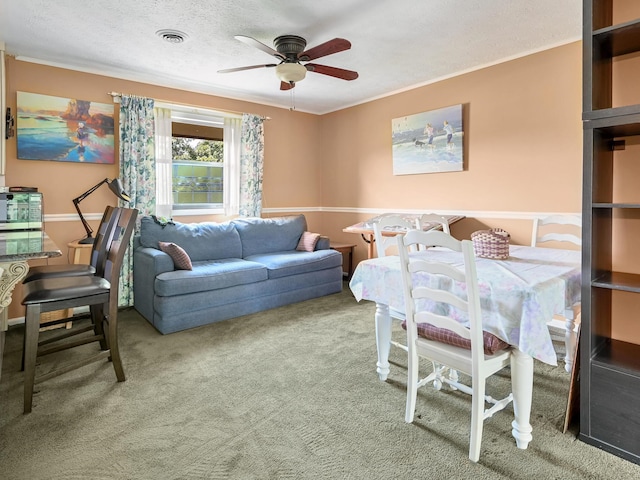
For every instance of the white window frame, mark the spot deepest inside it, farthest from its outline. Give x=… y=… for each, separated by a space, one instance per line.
x=231 y=163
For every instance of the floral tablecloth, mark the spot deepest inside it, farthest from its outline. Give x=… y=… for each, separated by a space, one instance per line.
x=518 y=295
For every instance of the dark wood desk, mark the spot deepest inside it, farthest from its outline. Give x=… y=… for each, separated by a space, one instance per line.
x=16 y=248
x=366 y=228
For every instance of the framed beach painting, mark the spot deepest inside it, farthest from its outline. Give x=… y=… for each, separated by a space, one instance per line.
x=64 y=129
x=428 y=142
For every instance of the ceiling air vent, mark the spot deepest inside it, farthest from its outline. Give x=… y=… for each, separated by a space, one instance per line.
x=172 y=36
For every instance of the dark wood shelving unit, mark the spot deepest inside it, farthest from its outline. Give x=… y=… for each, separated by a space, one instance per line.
x=610 y=368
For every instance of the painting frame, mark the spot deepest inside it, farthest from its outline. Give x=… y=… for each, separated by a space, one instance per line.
x=64 y=129
x=428 y=142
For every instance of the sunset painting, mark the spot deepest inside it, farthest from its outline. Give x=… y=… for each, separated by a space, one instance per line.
x=64 y=129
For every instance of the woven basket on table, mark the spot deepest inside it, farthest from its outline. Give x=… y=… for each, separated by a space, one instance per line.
x=492 y=243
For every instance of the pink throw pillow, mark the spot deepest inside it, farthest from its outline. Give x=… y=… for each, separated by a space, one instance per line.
x=308 y=242
x=180 y=258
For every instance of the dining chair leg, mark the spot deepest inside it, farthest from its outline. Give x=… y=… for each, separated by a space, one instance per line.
x=412 y=387
x=97 y=318
x=113 y=344
x=477 y=418
x=32 y=327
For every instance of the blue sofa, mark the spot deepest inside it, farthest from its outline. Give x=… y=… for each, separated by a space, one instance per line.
x=239 y=267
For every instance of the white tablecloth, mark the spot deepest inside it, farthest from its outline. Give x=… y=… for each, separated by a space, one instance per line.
x=519 y=295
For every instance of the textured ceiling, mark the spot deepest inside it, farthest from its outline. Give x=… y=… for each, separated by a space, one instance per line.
x=396 y=44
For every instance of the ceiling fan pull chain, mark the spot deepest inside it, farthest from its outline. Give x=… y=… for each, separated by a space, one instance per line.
x=292 y=92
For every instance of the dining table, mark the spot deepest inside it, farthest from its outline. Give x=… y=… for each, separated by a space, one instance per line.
x=16 y=249
x=518 y=296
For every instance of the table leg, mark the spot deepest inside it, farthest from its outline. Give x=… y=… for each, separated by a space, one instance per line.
x=570 y=337
x=383 y=339
x=522 y=388
x=370 y=247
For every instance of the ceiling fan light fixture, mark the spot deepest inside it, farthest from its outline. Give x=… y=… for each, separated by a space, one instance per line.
x=290 y=72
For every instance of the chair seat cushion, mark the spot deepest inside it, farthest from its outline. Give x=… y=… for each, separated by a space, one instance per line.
x=492 y=344
x=51 y=271
x=62 y=289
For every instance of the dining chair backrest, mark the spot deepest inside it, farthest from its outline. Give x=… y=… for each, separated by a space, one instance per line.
x=393 y=223
x=117 y=246
x=433 y=218
x=556 y=228
x=427 y=221
x=105 y=231
x=561 y=229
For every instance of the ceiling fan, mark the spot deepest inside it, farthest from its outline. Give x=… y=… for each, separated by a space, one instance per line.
x=290 y=50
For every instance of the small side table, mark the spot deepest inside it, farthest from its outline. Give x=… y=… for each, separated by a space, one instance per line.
x=345 y=249
x=77 y=250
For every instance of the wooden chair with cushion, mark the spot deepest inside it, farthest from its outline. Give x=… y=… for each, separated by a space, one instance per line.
x=99 y=292
x=385 y=243
x=98 y=252
x=467 y=349
x=561 y=230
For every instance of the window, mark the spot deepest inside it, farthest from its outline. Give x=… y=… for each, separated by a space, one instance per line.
x=197 y=161
x=198 y=166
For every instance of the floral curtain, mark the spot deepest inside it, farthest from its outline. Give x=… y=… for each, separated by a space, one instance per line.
x=137 y=172
x=251 y=165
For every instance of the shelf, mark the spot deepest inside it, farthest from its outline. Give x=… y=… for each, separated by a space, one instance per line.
x=614 y=122
x=615 y=205
x=614 y=113
x=619 y=39
x=621 y=356
x=628 y=282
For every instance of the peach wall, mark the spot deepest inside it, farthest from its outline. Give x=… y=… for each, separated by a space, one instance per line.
x=523 y=147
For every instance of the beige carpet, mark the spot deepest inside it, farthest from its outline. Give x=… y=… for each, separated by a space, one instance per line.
x=290 y=393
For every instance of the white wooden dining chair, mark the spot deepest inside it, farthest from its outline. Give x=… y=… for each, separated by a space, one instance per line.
x=387 y=245
x=431 y=218
x=561 y=230
x=465 y=350
x=428 y=219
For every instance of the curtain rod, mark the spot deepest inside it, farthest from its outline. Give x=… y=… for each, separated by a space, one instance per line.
x=116 y=99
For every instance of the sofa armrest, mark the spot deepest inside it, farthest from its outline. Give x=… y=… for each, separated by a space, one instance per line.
x=147 y=264
x=323 y=243
x=154 y=261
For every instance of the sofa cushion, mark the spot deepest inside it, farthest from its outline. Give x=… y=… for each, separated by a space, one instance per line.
x=180 y=258
x=201 y=241
x=267 y=235
x=209 y=275
x=283 y=264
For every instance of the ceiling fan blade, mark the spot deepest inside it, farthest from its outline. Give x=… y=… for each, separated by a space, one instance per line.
x=287 y=85
x=239 y=69
x=259 y=45
x=327 y=48
x=332 y=71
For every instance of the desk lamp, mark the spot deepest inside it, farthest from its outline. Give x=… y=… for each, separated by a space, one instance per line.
x=115 y=186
